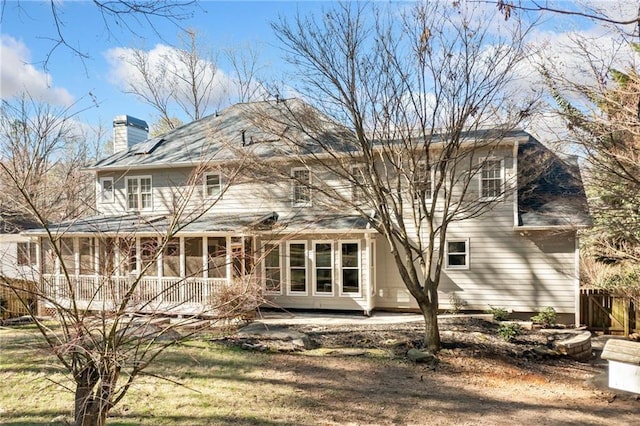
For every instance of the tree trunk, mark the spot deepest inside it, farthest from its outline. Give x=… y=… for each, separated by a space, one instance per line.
x=84 y=399
x=431 y=330
x=92 y=405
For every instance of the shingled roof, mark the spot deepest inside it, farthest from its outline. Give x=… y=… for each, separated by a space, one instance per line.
x=550 y=189
x=256 y=126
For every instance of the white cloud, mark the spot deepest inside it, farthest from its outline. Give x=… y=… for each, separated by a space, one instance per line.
x=164 y=65
x=18 y=76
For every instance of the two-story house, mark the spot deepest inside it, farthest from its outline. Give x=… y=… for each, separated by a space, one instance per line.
x=189 y=213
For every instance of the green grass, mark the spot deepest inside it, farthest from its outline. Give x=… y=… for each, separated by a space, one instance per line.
x=220 y=386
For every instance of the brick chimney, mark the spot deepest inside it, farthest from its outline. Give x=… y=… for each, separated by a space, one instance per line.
x=128 y=131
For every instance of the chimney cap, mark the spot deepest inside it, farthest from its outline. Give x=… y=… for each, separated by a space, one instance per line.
x=128 y=120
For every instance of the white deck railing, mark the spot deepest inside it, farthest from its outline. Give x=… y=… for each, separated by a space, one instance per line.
x=150 y=294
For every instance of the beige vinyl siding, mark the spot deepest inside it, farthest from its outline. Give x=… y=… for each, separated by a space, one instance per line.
x=519 y=272
x=245 y=194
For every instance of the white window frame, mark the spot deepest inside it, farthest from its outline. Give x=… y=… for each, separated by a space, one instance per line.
x=314 y=269
x=306 y=268
x=340 y=268
x=103 y=194
x=481 y=179
x=278 y=247
x=466 y=265
x=28 y=254
x=430 y=173
x=139 y=193
x=217 y=191
x=295 y=183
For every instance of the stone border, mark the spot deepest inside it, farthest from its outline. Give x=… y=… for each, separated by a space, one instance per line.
x=576 y=347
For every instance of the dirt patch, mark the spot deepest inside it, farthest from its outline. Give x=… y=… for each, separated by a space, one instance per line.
x=479 y=379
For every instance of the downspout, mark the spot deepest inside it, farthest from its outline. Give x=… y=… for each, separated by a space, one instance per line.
x=576 y=279
x=369 y=290
x=515 y=185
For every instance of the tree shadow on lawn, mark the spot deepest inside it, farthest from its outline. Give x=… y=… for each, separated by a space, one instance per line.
x=378 y=391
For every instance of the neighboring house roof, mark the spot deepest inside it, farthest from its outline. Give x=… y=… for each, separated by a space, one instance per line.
x=13 y=223
x=126 y=224
x=550 y=189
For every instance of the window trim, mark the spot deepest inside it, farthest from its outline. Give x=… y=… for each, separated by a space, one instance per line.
x=314 y=277
x=500 y=196
x=103 y=199
x=295 y=182
x=359 y=269
x=466 y=253
x=30 y=254
x=139 y=193
x=264 y=267
x=218 y=193
x=306 y=268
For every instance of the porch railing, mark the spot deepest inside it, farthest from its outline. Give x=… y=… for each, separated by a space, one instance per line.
x=150 y=294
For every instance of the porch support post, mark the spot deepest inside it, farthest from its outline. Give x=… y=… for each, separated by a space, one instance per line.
x=229 y=260
x=205 y=257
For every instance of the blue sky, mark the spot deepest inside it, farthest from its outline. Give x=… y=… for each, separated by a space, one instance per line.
x=28 y=29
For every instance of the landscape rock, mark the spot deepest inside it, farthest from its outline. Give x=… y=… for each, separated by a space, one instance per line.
x=419 y=356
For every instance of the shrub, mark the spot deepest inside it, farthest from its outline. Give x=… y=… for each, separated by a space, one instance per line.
x=547 y=317
x=457 y=304
x=499 y=314
x=509 y=331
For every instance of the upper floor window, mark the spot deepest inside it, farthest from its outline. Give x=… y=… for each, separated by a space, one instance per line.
x=491 y=179
x=300 y=189
x=139 y=193
x=106 y=190
x=457 y=254
x=212 y=184
x=422 y=182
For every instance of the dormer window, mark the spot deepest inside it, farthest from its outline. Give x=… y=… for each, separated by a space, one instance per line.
x=300 y=187
x=139 y=193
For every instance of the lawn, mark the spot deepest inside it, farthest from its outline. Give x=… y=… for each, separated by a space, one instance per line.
x=224 y=385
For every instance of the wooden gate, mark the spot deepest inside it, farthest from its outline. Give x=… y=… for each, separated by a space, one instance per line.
x=602 y=311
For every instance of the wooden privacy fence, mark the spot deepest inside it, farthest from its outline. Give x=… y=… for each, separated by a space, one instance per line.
x=16 y=298
x=600 y=310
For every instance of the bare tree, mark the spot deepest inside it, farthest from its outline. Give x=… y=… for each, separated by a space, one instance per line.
x=415 y=90
x=590 y=10
x=127 y=14
x=42 y=150
x=186 y=81
x=110 y=317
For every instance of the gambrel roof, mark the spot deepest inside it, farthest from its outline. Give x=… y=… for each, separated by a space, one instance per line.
x=550 y=189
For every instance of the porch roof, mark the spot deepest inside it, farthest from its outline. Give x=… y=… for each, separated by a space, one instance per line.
x=210 y=223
